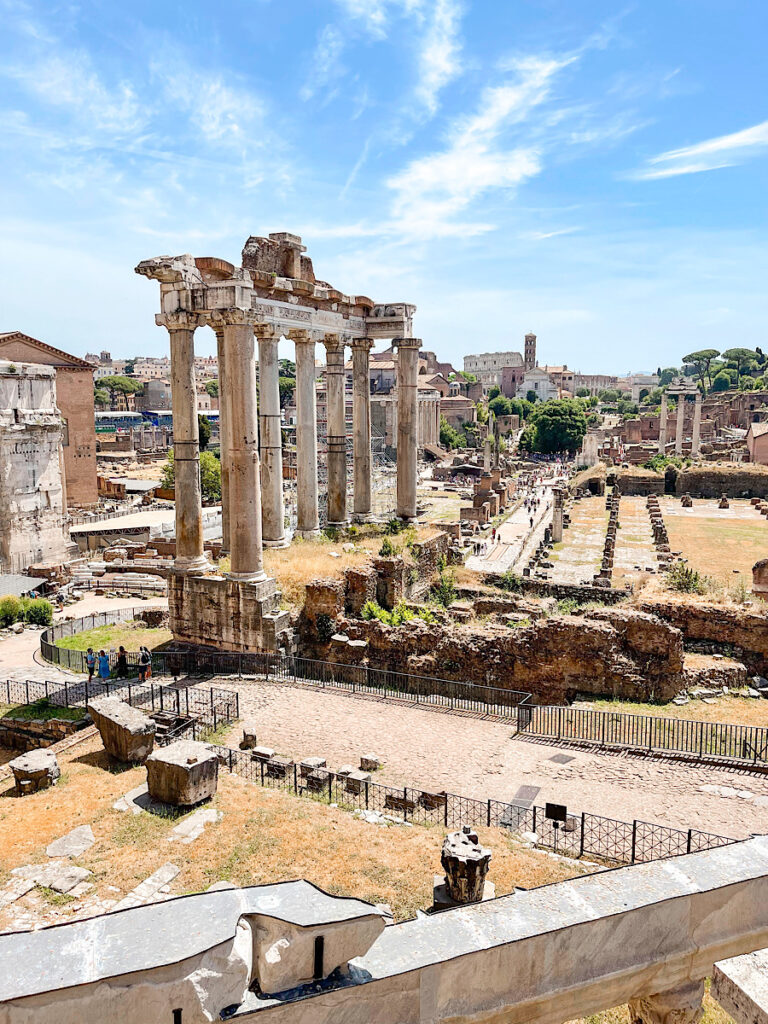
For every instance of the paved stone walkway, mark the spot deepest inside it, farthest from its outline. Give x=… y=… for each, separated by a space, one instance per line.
x=480 y=758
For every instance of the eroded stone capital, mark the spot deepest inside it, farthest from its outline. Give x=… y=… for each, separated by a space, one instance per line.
x=301 y=336
x=179 y=321
x=266 y=332
x=681 y=1005
x=171 y=270
x=233 y=317
x=333 y=343
x=361 y=344
x=407 y=343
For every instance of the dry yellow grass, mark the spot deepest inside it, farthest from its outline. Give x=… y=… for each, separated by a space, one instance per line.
x=713 y=1014
x=264 y=836
x=733 y=710
x=717 y=546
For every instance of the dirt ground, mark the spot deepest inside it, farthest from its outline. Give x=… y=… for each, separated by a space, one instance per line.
x=481 y=758
x=717 y=541
x=263 y=836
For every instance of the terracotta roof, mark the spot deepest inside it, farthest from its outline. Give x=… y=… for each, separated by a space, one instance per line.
x=68 y=360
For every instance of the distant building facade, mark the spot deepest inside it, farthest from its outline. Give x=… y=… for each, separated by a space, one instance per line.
x=74 y=395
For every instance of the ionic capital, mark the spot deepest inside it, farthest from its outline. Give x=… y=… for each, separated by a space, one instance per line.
x=179 y=321
x=414 y=343
x=300 y=336
x=266 y=332
x=361 y=344
x=233 y=317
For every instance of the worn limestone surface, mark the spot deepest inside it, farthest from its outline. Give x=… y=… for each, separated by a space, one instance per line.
x=35 y=770
x=182 y=774
x=73 y=843
x=614 y=651
x=127 y=733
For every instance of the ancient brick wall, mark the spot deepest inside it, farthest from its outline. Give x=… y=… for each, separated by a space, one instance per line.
x=29 y=734
x=744 y=631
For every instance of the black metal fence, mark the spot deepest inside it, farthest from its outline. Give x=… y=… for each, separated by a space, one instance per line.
x=125 y=583
x=75 y=660
x=581 y=835
x=745 y=744
x=211 y=705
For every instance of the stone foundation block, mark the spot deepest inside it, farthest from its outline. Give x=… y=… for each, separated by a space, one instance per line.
x=127 y=733
x=182 y=774
x=35 y=770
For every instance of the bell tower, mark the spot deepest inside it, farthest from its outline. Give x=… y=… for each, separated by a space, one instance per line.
x=530 y=350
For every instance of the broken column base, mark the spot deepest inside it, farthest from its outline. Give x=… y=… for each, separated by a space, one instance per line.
x=236 y=615
x=441 y=898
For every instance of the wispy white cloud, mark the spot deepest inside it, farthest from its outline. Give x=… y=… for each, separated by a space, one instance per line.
x=540 y=236
x=439 y=52
x=713 y=154
x=357 y=168
x=222 y=112
x=326 y=62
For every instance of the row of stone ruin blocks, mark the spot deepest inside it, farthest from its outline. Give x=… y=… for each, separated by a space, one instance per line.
x=538 y=560
x=491 y=496
x=603 y=577
x=760 y=504
x=660 y=535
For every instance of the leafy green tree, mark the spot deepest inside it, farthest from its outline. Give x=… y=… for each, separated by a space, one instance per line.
x=119 y=384
x=287 y=368
x=470 y=378
x=560 y=425
x=702 y=361
x=493 y=392
x=582 y=392
x=287 y=386
x=722 y=381
x=667 y=375
x=531 y=397
x=482 y=412
x=130 y=366
x=741 y=358
x=203 y=431
x=499 y=406
x=210 y=476
x=100 y=396
x=609 y=395
x=212 y=387
x=747 y=383
x=449 y=436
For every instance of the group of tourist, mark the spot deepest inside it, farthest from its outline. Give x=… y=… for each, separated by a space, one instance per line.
x=99 y=664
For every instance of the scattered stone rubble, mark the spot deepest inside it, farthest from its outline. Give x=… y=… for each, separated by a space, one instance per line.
x=35 y=770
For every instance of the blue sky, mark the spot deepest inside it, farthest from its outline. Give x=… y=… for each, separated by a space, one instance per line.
x=591 y=171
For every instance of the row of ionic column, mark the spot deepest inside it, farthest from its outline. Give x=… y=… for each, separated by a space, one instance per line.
x=252 y=487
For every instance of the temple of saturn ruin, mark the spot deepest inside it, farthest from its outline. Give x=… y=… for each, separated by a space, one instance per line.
x=273 y=294
x=647 y=935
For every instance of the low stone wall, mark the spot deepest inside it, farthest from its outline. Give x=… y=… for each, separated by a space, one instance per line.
x=617 y=652
x=743 y=631
x=744 y=481
x=29 y=734
x=639 y=481
x=583 y=593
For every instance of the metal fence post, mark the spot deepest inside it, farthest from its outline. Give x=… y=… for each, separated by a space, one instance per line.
x=26 y=690
x=534 y=818
x=86 y=691
x=330 y=788
x=690 y=841
x=46 y=689
x=488 y=816
x=295 y=778
x=583 y=829
x=634 y=840
x=366 y=795
x=66 y=695
x=231 y=752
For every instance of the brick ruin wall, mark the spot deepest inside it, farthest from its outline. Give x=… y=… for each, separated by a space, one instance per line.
x=744 y=481
x=740 y=631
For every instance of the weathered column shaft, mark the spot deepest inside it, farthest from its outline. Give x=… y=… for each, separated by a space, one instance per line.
x=696 y=438
x=682 y=1005
x=336 y=430
x=190 y=555
x=361 y=428
x=663 y=424
x=306 y=435
x=407 y=424
x=679 y=422
x=224 y=398
x=244 y=481
x=270 y=434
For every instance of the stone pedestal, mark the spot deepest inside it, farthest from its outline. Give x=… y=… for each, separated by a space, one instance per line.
x=407 y=424
x=361 y=430
x=33 y=771
x=270 y=435
x=465 y=863
x=127 y=733
x=336 y=431
x=308 y=524
x=183 y=773
x=190 y=557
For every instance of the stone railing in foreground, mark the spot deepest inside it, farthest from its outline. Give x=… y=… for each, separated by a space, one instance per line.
x=647 y=936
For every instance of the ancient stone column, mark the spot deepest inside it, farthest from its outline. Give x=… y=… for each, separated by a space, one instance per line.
x=224 y=399
x=336 y=430
x=246 y=559
x=361 y=429
x=682 y=1005
x=190 y=557
x=663 y=424
x=696 y=438
x=271 y=439
x=465 y=863
x=306 y=435
x=557 y=515
x=407 y=424
x=679 y=423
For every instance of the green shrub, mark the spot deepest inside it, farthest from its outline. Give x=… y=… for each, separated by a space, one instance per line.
x=394 y=526
x=510 y=582
x=685 y=580
x=10 y=610
x=444 y=591
x=39 y=612
x=387 y=549
x=567 y=606
x=373 y=610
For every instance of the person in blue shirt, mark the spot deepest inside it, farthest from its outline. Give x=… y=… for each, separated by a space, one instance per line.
x=103 y=665
x=90 y=662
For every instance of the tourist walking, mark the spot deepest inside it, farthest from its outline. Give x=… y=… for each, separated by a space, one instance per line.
x=90 y=662
x=103 y=665
x=145 y=664
x=122 y=663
